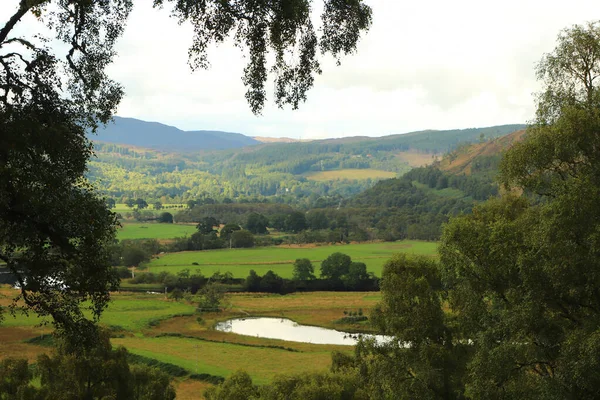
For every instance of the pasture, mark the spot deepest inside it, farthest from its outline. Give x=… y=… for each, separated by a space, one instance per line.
x=172 y=332
x=280 y=259
x=154 y=230
x=350 y=174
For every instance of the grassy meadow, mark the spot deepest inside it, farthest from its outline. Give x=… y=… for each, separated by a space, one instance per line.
x=359 y=174
x=280 y=259
x=154 y=230
x=173 y=332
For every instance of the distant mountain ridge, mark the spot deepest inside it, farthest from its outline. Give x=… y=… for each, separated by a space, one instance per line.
x=154 y=135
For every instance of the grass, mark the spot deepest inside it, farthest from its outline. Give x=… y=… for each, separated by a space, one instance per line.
x=359 y=174
x=153 y=230
x=198 y=348
x=224 y=358
x=280 y=259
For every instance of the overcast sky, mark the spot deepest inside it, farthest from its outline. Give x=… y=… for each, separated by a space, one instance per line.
x=433 y=64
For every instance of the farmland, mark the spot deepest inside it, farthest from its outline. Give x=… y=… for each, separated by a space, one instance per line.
x=153 y=230
x=171 y=332
x=350 y=174
x=280 y=259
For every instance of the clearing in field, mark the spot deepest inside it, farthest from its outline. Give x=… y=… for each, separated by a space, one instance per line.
x=417 y=159
x=359 y=174
x=280 y=259
x=153 y=230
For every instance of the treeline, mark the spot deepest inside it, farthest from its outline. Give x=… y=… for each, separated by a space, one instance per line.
x=337 y=273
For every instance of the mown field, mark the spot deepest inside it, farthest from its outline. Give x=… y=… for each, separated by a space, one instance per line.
x=359 y=174
x=172 y=332
x=153 y=230
x=280 y=259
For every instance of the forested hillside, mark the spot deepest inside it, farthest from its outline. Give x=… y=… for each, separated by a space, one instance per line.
x=290 y=172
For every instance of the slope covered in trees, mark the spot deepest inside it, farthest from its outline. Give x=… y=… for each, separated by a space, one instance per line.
x=279 y=170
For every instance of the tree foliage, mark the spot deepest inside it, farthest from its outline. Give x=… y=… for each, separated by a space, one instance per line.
x=303 y=270
x=335 y=266
x=282 y=28
x=519 y=276
x=53 y=227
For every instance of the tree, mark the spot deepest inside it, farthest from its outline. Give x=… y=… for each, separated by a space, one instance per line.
x=520 y=276
x=110 y=202
x=271 y=282
x=295 y=222
x=130 y=202
x=141 y=204
x=176 y=294
x=242 y=238
x=252 y=283
x=158 y=205
x=134 y=256
x=207 y=225
x=165 y=218
x=227 y=230
x=303 y=270
x=424 y=360
x=257 y=223
x=99 y=372
x=238 y=386
x=211 y=297
x=317 y=220
x=335 y=266
x=357 y=273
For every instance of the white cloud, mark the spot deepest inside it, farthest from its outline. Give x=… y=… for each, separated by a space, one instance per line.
x=431 y=64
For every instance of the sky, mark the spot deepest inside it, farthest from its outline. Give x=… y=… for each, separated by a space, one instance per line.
x=432 y=64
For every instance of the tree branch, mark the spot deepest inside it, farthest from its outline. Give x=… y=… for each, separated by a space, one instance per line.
x=23 y=8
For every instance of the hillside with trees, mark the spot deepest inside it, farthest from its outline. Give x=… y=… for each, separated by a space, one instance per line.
x=279 y=171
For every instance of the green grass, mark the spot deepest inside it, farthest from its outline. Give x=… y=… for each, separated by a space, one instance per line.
x=280 y=259
x=129 y=312
x=153 y=230
x=223 y=359
x=359 y=174
x=139 y=311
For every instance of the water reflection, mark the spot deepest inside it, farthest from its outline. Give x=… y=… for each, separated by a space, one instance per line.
x=286 y=329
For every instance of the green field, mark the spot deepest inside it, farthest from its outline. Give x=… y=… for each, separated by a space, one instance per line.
x=199 y=348
x=359 y=174
x=130 y=312
x=153 y=230
x=223 y=358
x=280 y=259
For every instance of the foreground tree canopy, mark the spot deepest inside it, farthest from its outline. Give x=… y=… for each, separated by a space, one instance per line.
x=53 y=227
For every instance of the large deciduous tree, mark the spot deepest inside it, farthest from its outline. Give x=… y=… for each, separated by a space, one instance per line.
x=53 y=227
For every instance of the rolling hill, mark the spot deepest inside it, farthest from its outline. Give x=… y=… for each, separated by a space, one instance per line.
x=157 y=136
x=290 y=172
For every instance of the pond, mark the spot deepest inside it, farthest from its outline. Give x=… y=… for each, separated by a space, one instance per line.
x=286 y=329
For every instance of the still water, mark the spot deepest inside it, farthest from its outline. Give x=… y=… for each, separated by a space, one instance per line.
x=285 y=329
